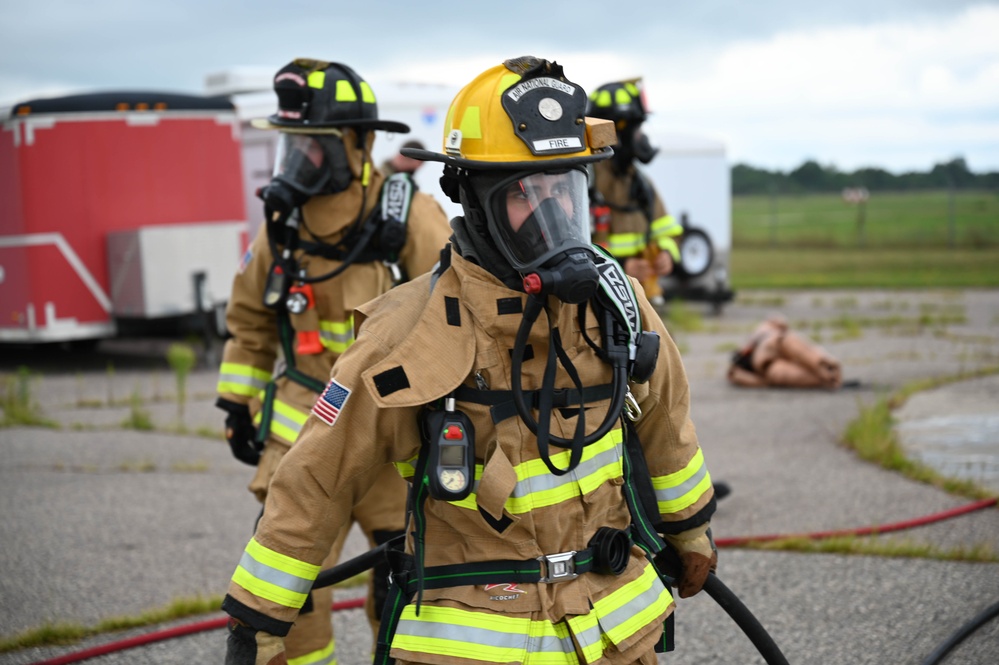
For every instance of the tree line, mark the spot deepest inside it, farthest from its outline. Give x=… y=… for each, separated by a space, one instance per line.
x=813 y=177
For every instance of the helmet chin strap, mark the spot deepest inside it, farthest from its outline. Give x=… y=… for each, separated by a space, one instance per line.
x=541 y=427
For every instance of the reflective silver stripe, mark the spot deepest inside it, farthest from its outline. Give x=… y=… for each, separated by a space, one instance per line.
x=280 y=578
x=677 y=491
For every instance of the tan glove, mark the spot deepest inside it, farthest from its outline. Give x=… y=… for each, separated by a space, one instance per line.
x=247 y=646
x=697 y=558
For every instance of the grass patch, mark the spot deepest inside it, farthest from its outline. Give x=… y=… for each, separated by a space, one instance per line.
x=857 y=545
x=765 y=268
x=871 y=435
x=138 y=417
x=67 y=633
x=19 y=407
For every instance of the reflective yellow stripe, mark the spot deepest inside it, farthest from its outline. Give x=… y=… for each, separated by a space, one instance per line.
x=317 y=79
x=676 y=491
x=669 y=245
x=367 y=94
x=274 y=576
x=666 y=225
x=633 y=606
x=345 y=91
x=366 y=174
x=470 y=125
x=625 y=244
x=478 y=635
x=407 y=469
x=337 y=335
x=491 y=638
x=622 y=97
x=506 y=81
x=287 y=421
x=632 y=88
x=239 y=379
x=324 y=656
x=602 y=98
x=537 y=487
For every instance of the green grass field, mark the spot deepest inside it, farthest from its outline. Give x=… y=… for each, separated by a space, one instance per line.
x=914 y=240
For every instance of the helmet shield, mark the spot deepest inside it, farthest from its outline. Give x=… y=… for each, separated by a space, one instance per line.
x=535 y=216
x=311 y=164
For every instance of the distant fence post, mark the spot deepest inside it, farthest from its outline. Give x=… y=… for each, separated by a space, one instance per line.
x=773 y=214
x=858 y=196
x=951 y=215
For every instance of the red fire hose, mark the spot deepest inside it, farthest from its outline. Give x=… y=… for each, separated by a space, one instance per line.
x=214 y=624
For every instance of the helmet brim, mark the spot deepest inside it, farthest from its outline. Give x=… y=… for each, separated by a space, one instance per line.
x=599 y=154
x=274 y=122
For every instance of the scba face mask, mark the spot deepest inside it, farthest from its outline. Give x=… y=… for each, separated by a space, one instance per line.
x=540 y=222
x=305 y=166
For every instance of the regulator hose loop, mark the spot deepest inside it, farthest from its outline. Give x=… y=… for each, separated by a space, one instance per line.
x=619 y=382
x=611 y=550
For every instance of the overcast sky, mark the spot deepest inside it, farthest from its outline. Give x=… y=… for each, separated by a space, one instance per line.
x=900 y=84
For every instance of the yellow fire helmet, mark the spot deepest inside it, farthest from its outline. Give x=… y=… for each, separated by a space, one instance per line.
x=522 y=115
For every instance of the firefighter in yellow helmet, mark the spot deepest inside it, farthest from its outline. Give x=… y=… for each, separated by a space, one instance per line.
x=337 y=234
x=548 y=459
x=629 y=218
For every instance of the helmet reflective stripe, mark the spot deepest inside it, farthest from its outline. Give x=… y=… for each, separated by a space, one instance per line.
x=274 y=576
x=324 y=656
x=684 y=488
x=318 y=80
x=245 y=380
x=601 y=98
x=538 y=488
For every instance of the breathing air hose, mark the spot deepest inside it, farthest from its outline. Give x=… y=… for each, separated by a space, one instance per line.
x=979 y=620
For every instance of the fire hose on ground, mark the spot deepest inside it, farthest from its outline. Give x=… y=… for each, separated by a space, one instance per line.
x=714 y=587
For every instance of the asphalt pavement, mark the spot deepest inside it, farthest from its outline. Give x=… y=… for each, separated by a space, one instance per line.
x=98 y=520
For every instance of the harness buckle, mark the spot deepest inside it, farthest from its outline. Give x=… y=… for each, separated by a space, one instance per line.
x=557 y=567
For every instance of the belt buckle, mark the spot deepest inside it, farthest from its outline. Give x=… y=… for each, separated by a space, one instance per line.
x=558 y=567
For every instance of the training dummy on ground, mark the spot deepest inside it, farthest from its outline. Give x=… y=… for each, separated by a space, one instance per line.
x=776 y=356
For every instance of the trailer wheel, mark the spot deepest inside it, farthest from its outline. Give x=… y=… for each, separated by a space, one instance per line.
x=696 y=253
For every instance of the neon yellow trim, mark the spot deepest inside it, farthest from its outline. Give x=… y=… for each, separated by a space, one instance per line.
x=407 y=469
x=367 y=94
x=317 y=79
x=366 y=174
x=345 y=91
x=255 y=379
x=625 y=595
x=632 y=89
x=283 y=562
x=674 y=480
x=602 y=98
x=470 y=127
x=236 y=388
x=288 y=432
x=268 y=591
x=563 y=492
x=621 y=245
x=621 y=97
x=669 y=245
x=666 y=224
x=318 y=656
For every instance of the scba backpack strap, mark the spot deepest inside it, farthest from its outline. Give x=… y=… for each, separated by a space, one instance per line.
x=397 y=196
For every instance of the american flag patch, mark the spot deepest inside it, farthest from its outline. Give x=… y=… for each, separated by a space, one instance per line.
x=245 y=261
x=330 y=403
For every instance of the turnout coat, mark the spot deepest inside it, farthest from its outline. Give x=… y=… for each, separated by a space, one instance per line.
x=416 y=344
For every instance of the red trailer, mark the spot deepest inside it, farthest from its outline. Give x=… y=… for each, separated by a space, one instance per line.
x=117 y=209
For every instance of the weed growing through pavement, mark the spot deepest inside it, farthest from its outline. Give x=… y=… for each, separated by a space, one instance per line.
x=138 y=418
x=19 y=407
x=67 y=633
x=181 y=358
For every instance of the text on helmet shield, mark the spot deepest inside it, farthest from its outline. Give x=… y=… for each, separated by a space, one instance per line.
x=516 y=92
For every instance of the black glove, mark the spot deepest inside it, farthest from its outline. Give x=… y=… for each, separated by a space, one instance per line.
x=240 y=432
x=246 y=646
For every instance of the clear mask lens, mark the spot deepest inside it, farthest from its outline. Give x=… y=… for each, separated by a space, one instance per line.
x=535 y=216
x=303 y=162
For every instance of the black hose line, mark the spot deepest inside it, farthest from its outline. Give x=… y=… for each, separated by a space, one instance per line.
x=355 y=566
x=745 y=619
x=948 y=645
